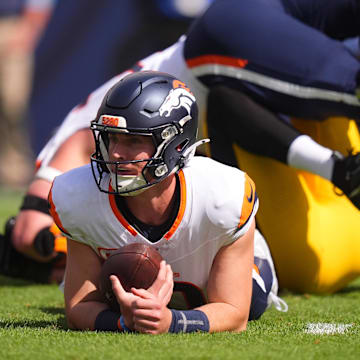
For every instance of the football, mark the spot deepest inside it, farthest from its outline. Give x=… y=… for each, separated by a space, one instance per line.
x=136 y=265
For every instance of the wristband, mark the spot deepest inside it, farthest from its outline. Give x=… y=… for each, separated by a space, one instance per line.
x=122 y=324
x=44 y=242
x=33 y=202
x=188 y=321
x=47 y=173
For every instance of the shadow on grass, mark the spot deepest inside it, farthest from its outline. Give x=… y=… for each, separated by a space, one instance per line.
x=19 y=282
x=56 y=324
x=59 y=324
x=52 y=310
x=9 y=281
x=348 y=290
x=61 y=320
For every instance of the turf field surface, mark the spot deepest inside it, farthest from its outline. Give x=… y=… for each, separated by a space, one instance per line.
x=33 y=326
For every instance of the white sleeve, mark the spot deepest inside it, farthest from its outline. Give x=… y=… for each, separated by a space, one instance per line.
x=79 y=118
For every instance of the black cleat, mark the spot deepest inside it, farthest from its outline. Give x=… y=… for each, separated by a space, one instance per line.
x=346 y=176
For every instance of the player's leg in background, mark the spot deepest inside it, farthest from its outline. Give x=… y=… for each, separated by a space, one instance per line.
x=265 y=283
x=288 y=66
x=339 y=19
x=233 y=117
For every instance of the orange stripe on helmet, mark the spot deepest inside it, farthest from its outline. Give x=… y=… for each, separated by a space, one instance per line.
x=248 y=201
x=216 y=59
x=179 y=84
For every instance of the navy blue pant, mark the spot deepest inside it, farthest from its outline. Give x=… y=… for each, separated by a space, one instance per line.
x=296 y=43
x=259 y=297
x=266 y=60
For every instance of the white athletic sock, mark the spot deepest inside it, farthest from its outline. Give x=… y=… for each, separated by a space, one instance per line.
x=306 y=154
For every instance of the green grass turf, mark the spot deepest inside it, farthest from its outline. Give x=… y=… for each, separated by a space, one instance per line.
x=32 y=326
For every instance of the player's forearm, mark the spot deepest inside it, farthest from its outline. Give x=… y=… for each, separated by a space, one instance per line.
x=32 y=219
x=39 y=187
x=82 y=316
x=225 y=317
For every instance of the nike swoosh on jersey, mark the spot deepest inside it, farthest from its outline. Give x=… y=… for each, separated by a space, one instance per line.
x=250 y=198
x=249 y=201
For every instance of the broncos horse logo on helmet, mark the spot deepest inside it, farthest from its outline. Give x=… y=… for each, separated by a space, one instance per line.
x=178 y=97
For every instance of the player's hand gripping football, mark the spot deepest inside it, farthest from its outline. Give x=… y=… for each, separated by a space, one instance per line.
x=146 y=310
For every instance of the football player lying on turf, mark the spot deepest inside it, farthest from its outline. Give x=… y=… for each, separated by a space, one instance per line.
x=150 y=189
x=242 y=84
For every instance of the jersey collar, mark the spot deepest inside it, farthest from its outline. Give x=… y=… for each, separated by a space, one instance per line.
x=178 y=218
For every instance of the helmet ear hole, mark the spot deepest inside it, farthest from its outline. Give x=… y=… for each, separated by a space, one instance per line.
x=182 y=145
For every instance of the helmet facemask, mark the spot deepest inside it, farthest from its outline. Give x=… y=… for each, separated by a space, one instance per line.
x=154 y=171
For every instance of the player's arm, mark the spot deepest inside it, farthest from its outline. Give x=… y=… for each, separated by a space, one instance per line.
x=84 y=305
x=83 y=301
x=229 y=294
x=74 y=152
x=230 y=285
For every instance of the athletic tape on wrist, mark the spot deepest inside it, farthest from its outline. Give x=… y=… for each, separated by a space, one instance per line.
x=33 y=202
x=188 y=321
x=47 y=173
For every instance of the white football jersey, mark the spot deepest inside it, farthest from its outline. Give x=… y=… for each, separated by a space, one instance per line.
x=217 y=205
x=170 y=60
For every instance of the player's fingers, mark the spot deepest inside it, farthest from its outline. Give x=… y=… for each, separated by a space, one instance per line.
x=145 y=328
x=141 y=315
x=152 y=304
x=152 y=321
x=155 y=287
x=162 y=270
x=166 y=290
x=118 y=290
x=142 y=293
x=169 y=274
x=166 y=294
x=146 y=322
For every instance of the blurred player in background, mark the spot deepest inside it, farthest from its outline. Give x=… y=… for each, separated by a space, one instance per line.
x=150 y=189
x=100 y=47
x=244 y=85
x=21 y=25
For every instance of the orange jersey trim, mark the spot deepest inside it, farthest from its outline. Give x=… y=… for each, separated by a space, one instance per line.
x=182 y=207
x=216 y=59
x=249 y=200
x=177 y=221
x=54 y=213
x=118 y=214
